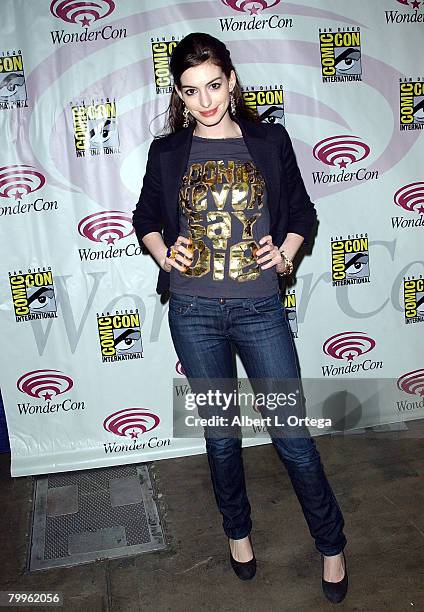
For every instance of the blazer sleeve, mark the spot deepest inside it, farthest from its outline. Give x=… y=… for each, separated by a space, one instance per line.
x=302 y=213
x=147 y=214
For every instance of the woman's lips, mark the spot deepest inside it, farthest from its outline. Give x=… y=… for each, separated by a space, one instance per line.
x=209 y=113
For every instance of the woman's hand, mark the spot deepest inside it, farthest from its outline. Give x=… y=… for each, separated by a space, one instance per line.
x=183 y=257
x=269 y=253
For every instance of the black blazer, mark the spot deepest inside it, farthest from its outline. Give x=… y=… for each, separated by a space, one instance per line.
x=290 y=207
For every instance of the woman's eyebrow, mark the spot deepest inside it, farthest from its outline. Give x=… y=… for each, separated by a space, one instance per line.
x=194 y=87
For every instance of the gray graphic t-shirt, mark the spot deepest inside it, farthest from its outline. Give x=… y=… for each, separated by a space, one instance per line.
x=223 y=208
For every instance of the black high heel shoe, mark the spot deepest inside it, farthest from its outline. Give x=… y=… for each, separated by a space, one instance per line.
x=335 y=591
x=244 y=570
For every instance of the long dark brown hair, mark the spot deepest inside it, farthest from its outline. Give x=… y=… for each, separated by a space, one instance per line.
x=192 y=50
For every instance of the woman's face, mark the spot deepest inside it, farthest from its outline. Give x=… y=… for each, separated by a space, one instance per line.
x=205 y=90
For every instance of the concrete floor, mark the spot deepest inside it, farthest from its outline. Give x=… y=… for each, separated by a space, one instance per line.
x=378 y=480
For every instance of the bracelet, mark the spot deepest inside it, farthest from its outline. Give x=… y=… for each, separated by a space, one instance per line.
x=288 y=262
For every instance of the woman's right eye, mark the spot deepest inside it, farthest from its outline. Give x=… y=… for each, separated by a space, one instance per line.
x=189 y=92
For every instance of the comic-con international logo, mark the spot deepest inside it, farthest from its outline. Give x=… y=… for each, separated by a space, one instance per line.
x=107 y=229
x=350 y=260
x=340 y=54
x=120 y=335
x=17 y=184
x=409 y=198
x=43 y=386
x=260 y=16
x=82 y=17
x=411 y=383
x=131 y=425
x=162 y=48
x=267 y=101
x=13 y=93
x=290 y=305
x=406 y=11
x=411 y=104
x=95 y=127
x=33 y=294
x=413 y=299
x=348 y=347
x=342 y=151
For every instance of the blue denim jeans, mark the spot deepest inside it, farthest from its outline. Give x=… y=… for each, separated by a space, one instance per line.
x=205 y=333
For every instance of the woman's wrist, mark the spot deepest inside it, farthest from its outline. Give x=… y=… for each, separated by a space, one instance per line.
x=286 y=266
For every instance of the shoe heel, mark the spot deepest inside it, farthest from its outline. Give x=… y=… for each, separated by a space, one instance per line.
x=243 y=570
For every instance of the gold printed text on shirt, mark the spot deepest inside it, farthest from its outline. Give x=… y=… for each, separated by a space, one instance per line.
x=235 y=188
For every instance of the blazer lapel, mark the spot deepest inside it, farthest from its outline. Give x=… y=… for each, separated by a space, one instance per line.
x=173 y=164
x=264 y=153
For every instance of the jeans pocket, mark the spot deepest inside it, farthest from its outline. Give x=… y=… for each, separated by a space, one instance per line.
x=267 y=306
x=181 y=305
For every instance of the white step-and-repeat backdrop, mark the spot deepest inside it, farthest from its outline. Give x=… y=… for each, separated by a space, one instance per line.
x=88 y=369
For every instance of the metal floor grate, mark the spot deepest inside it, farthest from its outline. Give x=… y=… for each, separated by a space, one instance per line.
x=93 y=514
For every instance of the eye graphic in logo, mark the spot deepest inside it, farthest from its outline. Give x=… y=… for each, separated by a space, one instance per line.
x=273 y=114
x=44 y=383
x=415 y=4
x=179 y=368
x=131 y=422
x=412 y=382
x=348 y=345
x=10 y=85
x=347 y=60
x=106 y=226
x=17 y=180
x=81 y=12
x=41 y=299
x=357 y=265
x=252 y=6
x=128 y=340
x=101 y=132
x=411 y=197
x=341 y=150
x=419 y=109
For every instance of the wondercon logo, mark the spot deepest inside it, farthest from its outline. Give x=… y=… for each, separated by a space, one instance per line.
x=412 y=382
x=179 y=368
x=348 y=345
x=44 y=383
x=106 y=226
x=341 y=150
x=411 y=197
x=131 y=422
x=415 y=4
x=252 y=6
x=81 y=12
x=18 y=180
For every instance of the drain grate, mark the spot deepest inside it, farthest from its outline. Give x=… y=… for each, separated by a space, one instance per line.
x=94 y=514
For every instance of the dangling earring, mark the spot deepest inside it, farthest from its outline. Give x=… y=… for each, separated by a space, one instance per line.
x=232 y=104
x=185 y=115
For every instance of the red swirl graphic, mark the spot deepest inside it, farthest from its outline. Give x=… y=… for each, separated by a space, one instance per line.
x=179 y=368
x=411 y=197
x=412 y=382
x=348 y=345
x=22 y=178
x=81 y=11
x=44 y=383
x=413 y=3
x=130 y=422
x=106 y=226
x=251 y=6
x=341 y=150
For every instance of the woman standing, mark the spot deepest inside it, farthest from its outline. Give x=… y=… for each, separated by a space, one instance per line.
x=227 y=193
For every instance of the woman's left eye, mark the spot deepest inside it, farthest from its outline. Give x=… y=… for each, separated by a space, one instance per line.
x=216 y=85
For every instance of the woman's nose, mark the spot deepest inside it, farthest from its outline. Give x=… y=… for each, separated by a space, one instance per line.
x=205 y=99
